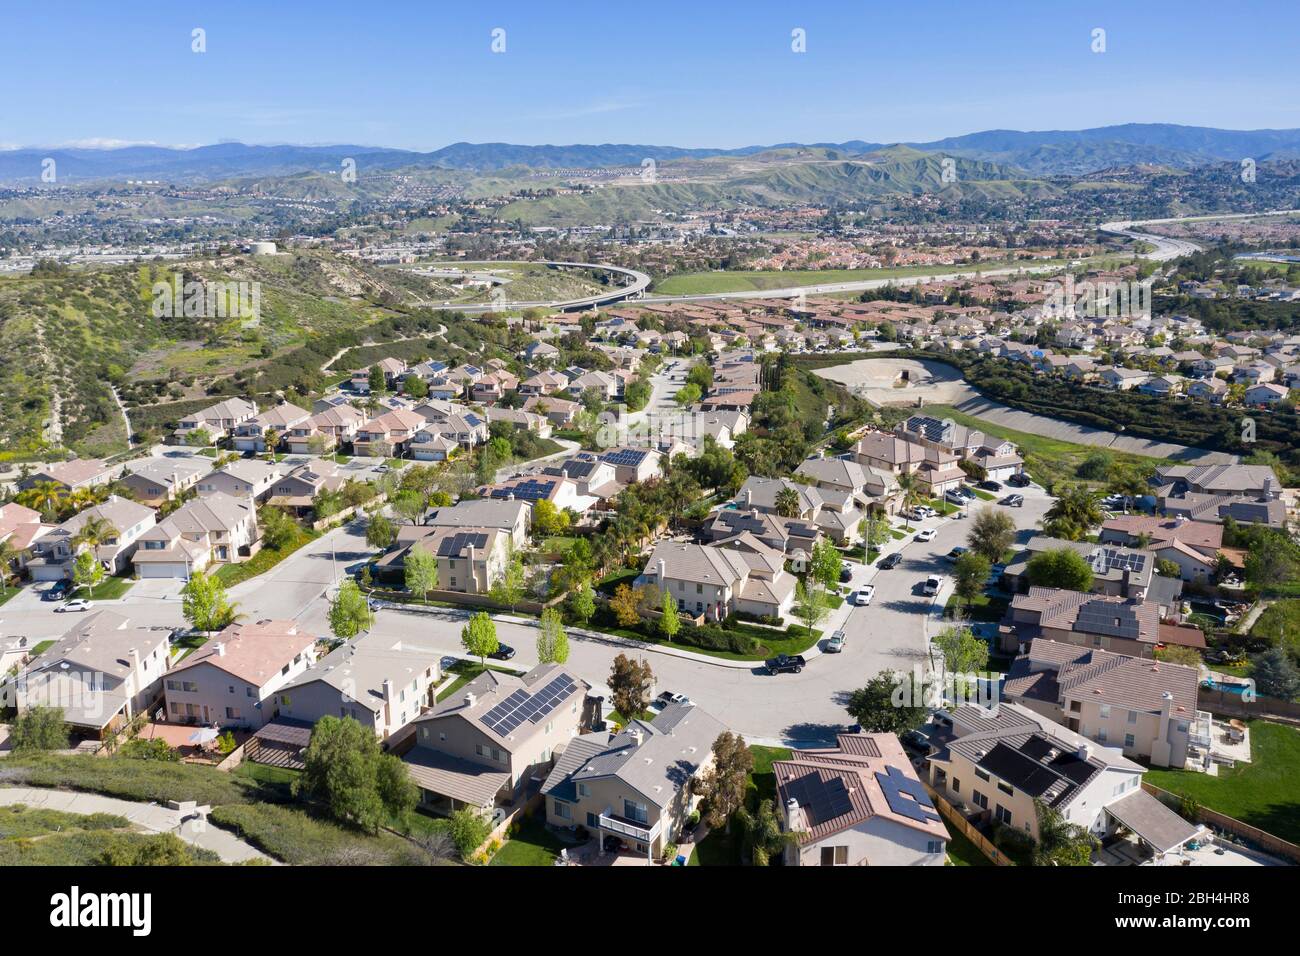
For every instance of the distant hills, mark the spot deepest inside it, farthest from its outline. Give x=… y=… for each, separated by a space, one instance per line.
x=1025 y=154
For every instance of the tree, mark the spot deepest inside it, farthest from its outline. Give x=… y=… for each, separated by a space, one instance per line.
x=1275 y=675
x=824 y=564
x=970 y=574
x=626 y=606
x=479 y=636
x=787 y=503
x=8 y=555
x=963 y=652
x=44 y=496
x=811 y=600
x=874 y=708
x=39 y=728
x=421 y=569
x=278 y=529
x=688 y=394
x=95 y=532
x=415 y=387
x=1167 y=568
x=911 y=492
x=723 y=785
x=205 y=604
x=552 y=641
x=508 y=589
x=582 y=602
x=349 y=612
x=991 y=533
x=1061 y=843
x=630 y=682
x=1060 y=568
x=1073 y=514
x=1177 y=654
x=409 y=505
x=875 y=531
x=380 y=532
x=670 y=621
x=547 y=519
x=376 y=380
x=468 y=829
x=346 y=773
x=87 y=571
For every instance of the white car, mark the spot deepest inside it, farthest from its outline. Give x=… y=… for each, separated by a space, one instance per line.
x=863 y=596
x=80 y=604
x=926 y=535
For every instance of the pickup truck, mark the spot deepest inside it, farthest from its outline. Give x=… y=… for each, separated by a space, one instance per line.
x=784 y=664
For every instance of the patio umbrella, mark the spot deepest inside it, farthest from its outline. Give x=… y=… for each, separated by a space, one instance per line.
x=204 y=735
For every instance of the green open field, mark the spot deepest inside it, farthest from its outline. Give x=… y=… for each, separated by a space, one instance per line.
x=701 y=283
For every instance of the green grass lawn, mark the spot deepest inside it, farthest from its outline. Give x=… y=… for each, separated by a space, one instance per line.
x=187 y=645
x=296 y=836
x=1262 y=793
x=465 y=672
x=720 y=848
x=962 y=852
x=264 y=560
x=6 y=592
x=41 y=648
x=699 y=283
x=109 y=589
x=557 y=544
x=530 y=844
x=130 y=779
x=1046 y=459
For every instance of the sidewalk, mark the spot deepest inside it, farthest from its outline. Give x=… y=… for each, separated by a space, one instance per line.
x=146 y=816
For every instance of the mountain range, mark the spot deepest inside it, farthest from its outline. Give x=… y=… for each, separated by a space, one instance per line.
x=1024 y=154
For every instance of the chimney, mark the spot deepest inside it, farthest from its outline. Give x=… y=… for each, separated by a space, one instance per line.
x=1084 y=752
x=219 y=649
x=636 y=735
x=388 y=690
x=135 y=658
x=793 y=815
x=662 y=571
x=470 y=699
x=749 y=497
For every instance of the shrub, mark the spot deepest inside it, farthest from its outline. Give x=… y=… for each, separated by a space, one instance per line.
x=153 y=749
x=468 y=829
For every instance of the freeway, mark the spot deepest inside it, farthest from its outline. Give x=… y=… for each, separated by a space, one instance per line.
x=635 y=284
x=1167 y=248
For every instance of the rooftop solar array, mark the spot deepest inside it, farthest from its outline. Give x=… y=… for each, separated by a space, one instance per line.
x=452 y=546
x=625 y=456
x=522 y=706
x=906 y=796
x=1108 y=617
x=931 y=428
x=531 y=489
x=1112 y=559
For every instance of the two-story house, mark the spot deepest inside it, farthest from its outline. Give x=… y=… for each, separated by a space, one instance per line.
x=216 y=529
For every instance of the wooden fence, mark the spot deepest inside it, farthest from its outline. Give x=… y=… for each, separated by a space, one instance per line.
x=1260 y=838
x=1231 y=705
x=967 y=829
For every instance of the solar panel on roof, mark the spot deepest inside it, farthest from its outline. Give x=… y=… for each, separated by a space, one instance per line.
x=906 y=796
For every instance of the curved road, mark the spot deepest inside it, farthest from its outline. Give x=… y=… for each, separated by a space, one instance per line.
x=638 y=283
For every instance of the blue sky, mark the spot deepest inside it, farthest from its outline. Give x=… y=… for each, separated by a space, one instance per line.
x=422 y=75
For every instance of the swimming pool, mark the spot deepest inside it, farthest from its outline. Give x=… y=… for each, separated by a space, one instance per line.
x=1212 y=684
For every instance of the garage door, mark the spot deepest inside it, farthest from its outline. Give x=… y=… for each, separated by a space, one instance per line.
x=161 y=570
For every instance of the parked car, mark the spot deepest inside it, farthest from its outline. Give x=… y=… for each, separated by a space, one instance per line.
x=990 y=485
x=58 y=591
x=836 y=643
x=503 y=653
x=954 y=498
x=666 y=698
x=1013 y=501
x=80 y=604
x=932 y=584
x=889 y=561
x=375 y=604
x=846 y=573
x=926 y=535
x=784 y=664
x=1019 y=480
x=964 y=493
x=956 y=553
x=863 y=596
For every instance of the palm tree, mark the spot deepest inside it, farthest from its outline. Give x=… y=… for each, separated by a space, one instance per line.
x=8 y=554
x=94 y=532
x=911 y=495
x=46 y=497
x=787 y=503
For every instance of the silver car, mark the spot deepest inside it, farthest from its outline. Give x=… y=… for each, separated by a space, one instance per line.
x=836 y=643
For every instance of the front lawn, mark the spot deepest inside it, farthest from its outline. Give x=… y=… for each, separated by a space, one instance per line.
x=109 y=589
x=720 y=848
x=264 y=560
x=6 y=592
x=530 y=844
x=1262 y=793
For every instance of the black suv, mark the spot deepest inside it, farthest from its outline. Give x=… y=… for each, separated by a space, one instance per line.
x=890 y=561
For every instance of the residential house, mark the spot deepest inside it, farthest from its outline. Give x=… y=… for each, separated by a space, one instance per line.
x=1269 y=393
x=717 y=581
x=859 y=803
x=1146 y=708
x=470 y=560
x=1124 y=625
x=388 y=434
x=20 y=527
x=326 y=429
x=636 y=785
x=1122 y=379
x=232 y=680
x=298 y=488
x=250 y=478
x=55 y=550
x=155 y=481
x=102 y=672
x=999 y=457
x=935 y=470
x=214 y=529
x=480 y=747
x=515 y=517
x=217 y=420
x=997 y=765
x=252 y=434
x=381 y=682
x=73 y=475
